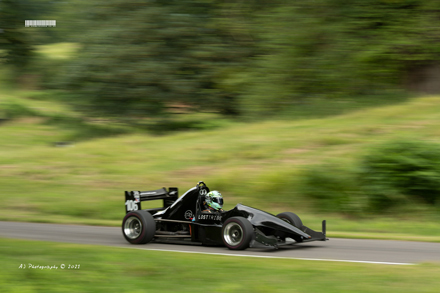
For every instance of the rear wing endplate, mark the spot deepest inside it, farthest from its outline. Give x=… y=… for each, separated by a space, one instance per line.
x=133 y=199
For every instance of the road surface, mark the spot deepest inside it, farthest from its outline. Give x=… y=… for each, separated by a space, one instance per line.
x=337 y=249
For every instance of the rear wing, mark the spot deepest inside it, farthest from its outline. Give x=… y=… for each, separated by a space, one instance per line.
x=133 y=199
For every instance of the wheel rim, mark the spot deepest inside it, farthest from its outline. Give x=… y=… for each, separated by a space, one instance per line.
x=233 y=234
x=133 y=227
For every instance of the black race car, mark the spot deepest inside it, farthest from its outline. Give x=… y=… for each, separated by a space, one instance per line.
x=181 y=220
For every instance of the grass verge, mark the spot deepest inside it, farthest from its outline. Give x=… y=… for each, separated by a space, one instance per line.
x=104 y=269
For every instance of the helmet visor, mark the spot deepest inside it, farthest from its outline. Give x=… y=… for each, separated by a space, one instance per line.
x=218 y=200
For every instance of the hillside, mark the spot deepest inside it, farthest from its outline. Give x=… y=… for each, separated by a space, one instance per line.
x=258 y=164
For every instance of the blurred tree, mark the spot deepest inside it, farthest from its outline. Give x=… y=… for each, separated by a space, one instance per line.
x=142 y=56
x=15 y=39
x=341 y=49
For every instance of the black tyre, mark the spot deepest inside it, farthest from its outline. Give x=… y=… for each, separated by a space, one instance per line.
x=237 y=233
x=291 y=218
x=138 y=227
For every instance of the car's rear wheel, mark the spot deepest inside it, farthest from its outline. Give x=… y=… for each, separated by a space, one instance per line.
x=138 y=227
x=291 y=218
x=237 y=233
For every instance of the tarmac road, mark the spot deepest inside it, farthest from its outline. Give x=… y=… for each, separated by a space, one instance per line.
x=337 y=249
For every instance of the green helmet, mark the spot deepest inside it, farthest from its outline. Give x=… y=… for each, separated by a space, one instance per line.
x=214 y=199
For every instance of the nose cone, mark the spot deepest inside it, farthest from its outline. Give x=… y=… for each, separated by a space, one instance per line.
x=263 y=219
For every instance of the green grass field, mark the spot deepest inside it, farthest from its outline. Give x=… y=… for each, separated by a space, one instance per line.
x=257 y=164
x=104 y=269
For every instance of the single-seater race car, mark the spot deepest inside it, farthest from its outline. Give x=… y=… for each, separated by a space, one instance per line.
x=182 y=220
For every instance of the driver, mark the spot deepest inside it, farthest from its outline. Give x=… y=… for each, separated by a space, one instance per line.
x=213 y=202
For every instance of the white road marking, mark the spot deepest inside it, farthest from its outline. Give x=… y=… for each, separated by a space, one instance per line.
x=277 y=257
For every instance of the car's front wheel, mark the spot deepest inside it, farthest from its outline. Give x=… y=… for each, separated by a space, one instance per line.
x=138 y=227
x=291 y=218
x=237 y=233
